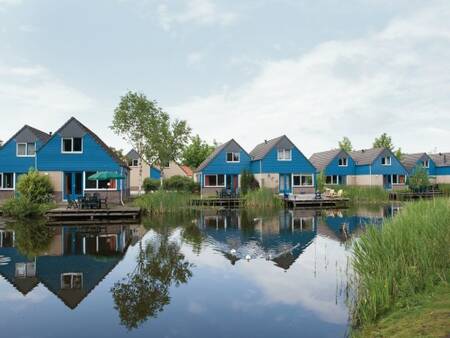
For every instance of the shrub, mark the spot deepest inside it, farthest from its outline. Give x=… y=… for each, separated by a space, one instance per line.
x=150 y=184
x=20 y=208
x=418 y=181
x=320 y=182
x=262 y=199
x=181 y=183
x=34 y=187
x=248 y=182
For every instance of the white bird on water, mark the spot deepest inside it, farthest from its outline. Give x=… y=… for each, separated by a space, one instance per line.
x=232 y=251
x=247 y=257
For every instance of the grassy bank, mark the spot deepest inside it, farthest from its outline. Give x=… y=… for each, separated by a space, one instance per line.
x=365 y=194
x=160 y=202
x=262 y=199
x=427 y=316
x=21 y=208
x=394 y=264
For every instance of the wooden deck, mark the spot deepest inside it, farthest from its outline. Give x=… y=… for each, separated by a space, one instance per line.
x=310 y=202
x=218 y=202
x=112 y=215
x=409 y=195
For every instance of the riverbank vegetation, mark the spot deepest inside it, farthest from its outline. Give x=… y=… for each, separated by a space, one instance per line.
x=396 y=263
x=34 y=197
x=262 y=198
x=161 y=202
x=365 y=194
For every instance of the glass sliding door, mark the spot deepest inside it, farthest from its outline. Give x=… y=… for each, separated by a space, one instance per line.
x=73 y=185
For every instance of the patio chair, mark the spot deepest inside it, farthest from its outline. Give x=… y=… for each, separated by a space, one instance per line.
x=71 y=203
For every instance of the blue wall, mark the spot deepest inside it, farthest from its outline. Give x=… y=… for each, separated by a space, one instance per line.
x=378 y=169
x=9 y=162
x=270 y=164
x=155 y=173
x=333 y=167
x=443 y=170
x=93 y=158
x=431 y=170
x=219 y=164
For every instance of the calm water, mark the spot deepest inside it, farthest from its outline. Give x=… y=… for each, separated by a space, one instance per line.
x=215 y=274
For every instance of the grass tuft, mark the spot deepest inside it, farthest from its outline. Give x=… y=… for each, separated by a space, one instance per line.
x=161 y=202
x=262 y=199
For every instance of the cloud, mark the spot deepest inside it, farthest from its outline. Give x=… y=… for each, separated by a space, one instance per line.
x=200 y=12
x=394 y=80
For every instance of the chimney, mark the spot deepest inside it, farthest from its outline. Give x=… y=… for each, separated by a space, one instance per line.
x=363 y=151
x=265 y=141
x=50 y=133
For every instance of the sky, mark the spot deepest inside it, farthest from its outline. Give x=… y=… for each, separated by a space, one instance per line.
x=250 y=70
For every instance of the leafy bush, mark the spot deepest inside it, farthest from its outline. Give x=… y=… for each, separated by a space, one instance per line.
x=419 y=180
x=320 y=182
x=248 y=182
x=35 y=187
x=181 y=183
x=150 y=184
x=20 y=208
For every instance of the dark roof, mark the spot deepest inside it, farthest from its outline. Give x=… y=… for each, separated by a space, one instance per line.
x=322 y=159
x=261 y=150
x=441 y=159
x=96 y=138
x=40 y=135
x=366 y=156
x=409 y=161
x=212 y=155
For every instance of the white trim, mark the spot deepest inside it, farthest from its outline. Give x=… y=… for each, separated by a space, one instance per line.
x=303 y=186
x=96 y=189
x=284 y=150
x=398 y=176
x=232 y=155
x=346 y=162
x=26 y=149
x=386 y=157
x=217 y=180
x=71 y=152
x=72 y=274
x=2 y=181
x=426 y=163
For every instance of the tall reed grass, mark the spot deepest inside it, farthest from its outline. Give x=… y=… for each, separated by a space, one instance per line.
x=406 y=256
x=365 y=194
x=160 y=202
x=262 y=199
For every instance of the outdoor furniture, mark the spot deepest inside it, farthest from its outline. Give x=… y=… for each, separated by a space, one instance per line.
x=72 y=204
x=318 y=195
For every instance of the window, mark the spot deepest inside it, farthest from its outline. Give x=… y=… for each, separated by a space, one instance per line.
x=233 y=157
x=284 y=154
x=25 y=270
x=133 y=163
x=7 y=181
x=386 y=160
x=398 y=179
x=343 y=162
x=166 y=164
x=98 y=185
x=71 y=280
x=26 y=149
x=332 y=179
x=72 y=145
x=302 y=180
x=214 y=180
x=426 y=164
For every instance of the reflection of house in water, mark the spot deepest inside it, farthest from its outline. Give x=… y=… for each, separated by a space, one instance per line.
x=76 y=262
x=280 y=238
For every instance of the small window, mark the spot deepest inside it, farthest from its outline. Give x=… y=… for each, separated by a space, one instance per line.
x=7 y=181
x=31 y=149
x=284 y=154
x=332 y=179
x=166 y=164
x=77 y=144
x=233 y=157
x=302 y=180
x=26 y=149
x=67 y=145
x=71 y=280
x=426 y=164
x=398 y=179
x=72 y=145
x=343 y=162
x=386 y=160
x=214 y=180
x=135 y=163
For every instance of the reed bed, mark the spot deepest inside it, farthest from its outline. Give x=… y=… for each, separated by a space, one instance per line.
x=262 y=199
x=161 y=202
x=365 y=194
x=394 y=263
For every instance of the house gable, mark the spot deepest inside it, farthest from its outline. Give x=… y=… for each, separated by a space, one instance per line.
x=333 y=168
x=219 y=165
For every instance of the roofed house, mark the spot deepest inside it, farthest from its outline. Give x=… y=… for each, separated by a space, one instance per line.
x=72 y=154
x=148 y=170
x=222 y=168
x=279 y=165
x=442 y=167
x=379 y=167
x=423 y=160
x=336 y=164
x=17 y=156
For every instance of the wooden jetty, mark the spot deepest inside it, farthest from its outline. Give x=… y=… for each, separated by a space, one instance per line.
x=411 y=195
x=112 y=215
x=307 y=202
x=230 y=203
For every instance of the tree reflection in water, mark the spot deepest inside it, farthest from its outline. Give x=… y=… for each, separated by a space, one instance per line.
x=145 y=291
x=32 y=237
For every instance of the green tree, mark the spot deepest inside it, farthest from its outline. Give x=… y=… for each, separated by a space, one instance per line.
x=196 y=152
x=399 y=153
x=119 y=153
x=33 y=237
x=384 y=141
x=419 y=180
x=248 y=182
x=320 y=182
x=131 y=118
x=345 y=144
x=35 y=187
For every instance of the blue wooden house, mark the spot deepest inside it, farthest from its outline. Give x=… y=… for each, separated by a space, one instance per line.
x=17 y=156
x=336 y=164
x=222 y=169
x=279 y=165
x=422 y=160
x=442 y=167
x=72 y=154
x=379 y=167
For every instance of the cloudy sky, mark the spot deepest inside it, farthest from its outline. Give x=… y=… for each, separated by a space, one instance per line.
x=247 y=69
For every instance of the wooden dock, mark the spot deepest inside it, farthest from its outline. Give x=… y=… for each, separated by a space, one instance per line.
x=410 y=195
x=312 y=203
x=112 y=215
x=229 y=203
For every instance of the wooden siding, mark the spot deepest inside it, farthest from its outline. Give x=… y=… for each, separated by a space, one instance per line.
x=270 y=164
x=219 y=164
x=10 y=162
x=333 y=167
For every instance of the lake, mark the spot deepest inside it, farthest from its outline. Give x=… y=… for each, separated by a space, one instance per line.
x=210 y=274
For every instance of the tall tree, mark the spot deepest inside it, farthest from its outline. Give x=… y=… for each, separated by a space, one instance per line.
x=130 y=122
x=345 y=144
x=384 y=141
x=196 y=152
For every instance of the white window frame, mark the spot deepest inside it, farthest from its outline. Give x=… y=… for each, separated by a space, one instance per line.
x=217 y=181
x=85 y=179
x=303 y=186
x=3 y=180
x=386 y=163
x=426 y=163
x=283 y=157
x=135 y=163
x=72 y=274
x=341 y=160
x=332 y=183
x=233 y=153
x=26 y=149
x=398 y=179
x=71 y=152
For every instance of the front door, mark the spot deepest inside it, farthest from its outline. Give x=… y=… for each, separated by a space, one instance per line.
x=285 y=184
x=387 y=181
x=232 y=182
x=73 y=185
